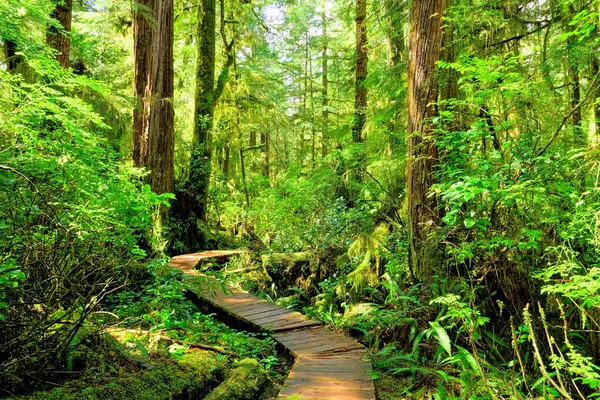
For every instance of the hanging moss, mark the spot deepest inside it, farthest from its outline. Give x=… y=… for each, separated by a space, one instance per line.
x=184 y=379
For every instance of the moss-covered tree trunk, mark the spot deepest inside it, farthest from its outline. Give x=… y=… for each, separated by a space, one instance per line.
x=425 y=40
x=58 y=38
x=200 y=164
x=360 y=96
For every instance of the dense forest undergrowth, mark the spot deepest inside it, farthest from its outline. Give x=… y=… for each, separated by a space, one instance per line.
x=421 y=175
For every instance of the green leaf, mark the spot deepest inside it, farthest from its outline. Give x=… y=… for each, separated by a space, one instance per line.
x=470 y=222
x=442 y=337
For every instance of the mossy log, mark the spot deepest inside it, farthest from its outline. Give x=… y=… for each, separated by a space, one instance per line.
x=292 y=269
x=187 y=378
x=245 y=382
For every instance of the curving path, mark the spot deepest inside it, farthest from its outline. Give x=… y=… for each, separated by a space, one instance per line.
x=327 y=366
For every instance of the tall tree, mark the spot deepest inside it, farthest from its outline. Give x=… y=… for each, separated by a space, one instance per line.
x=58 y=37
x=159 y=92
x=425 y=40
x=325 y=80
x=394 y=33
x=573 y=80
x=595 y=72
x=142 y=45
x=154 y=119
x=207 y=94
x=360 y=97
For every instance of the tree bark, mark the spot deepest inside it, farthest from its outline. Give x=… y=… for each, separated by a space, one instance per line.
x=360 y=97
x=142 y=45
x=424 y=51
x=154 y=118
x=59 y=39
x=160 y=92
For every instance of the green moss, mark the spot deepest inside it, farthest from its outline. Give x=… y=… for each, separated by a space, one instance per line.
x=186 y=378
x=245 y=382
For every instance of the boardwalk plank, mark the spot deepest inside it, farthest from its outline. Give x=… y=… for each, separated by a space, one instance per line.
x=264 y=312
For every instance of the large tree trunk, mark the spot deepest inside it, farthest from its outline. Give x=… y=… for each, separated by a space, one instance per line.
x=142 y=46
x=360 y=97
x=425 y=50
x=57 y=39
x=154 y=120
x=160 y=92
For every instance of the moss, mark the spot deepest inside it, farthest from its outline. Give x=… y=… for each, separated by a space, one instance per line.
x=245 y=382
x=186 y=378
x=292 y=269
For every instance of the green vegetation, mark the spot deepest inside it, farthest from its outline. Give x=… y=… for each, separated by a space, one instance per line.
x=422 y=175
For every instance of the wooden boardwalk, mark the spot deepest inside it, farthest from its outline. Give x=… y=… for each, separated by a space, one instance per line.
x=327 y=366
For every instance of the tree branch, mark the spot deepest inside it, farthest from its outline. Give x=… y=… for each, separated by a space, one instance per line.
x=519 y=37
x=566 y=117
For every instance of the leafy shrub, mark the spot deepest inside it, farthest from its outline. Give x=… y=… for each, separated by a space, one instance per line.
x=72 y=218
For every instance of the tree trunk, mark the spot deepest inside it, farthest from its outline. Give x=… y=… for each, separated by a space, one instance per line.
x=425 y=50
x=200 y=166
x=142 y=45
x=325 y=113
x=59 y=39
x=574 y=84
x=595 y=72
x=266 y=140
x=153 y=116
x=10 y=55
x=394 y=37
x=396 y=50
x=360 y=97
x=160 y=92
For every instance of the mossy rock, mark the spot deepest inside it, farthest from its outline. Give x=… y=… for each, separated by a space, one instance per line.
x=245 y=382
x=187 y=378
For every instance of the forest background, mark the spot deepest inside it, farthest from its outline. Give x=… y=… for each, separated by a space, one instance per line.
x=422 y=175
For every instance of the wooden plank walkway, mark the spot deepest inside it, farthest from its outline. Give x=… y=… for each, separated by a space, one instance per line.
x=327 y=366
